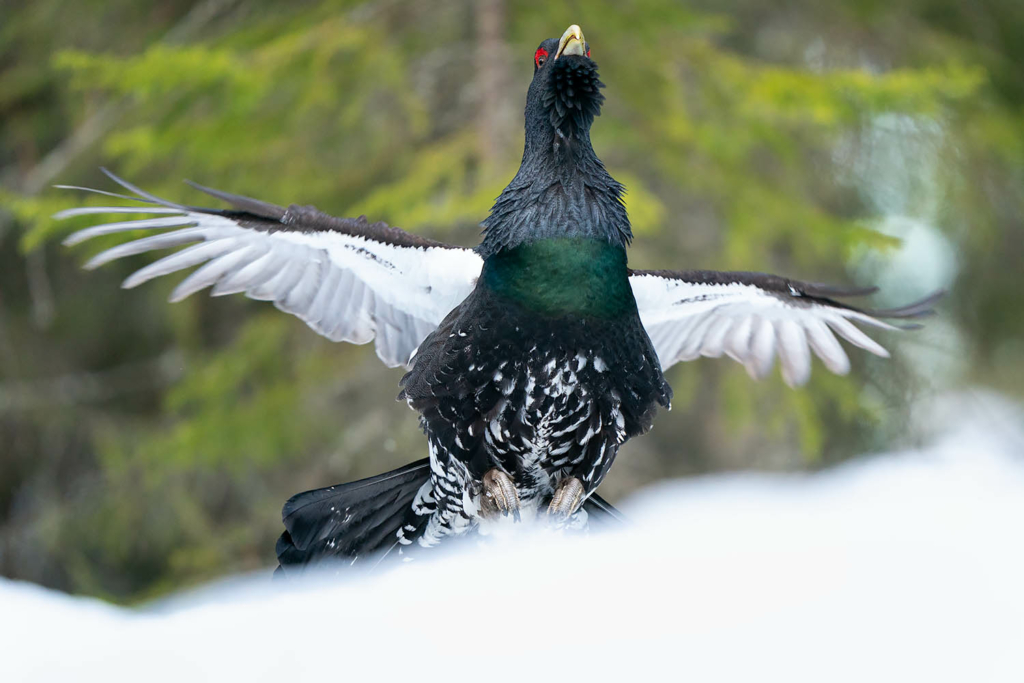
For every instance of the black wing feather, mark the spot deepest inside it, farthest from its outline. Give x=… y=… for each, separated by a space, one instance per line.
x=255 y=207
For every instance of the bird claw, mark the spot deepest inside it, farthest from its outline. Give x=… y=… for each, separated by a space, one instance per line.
x=567 y=498
x=500 y=495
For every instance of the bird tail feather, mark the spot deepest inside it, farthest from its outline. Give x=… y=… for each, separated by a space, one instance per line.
x=602 y=515
x=348 y=521
x=362 y=518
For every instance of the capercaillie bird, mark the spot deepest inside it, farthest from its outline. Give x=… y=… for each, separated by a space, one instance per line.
x=531 y=358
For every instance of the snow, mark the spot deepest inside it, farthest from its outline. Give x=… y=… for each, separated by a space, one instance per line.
x=899 y=567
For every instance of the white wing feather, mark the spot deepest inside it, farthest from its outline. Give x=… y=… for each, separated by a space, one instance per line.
x=347 y=287
x=687 y=319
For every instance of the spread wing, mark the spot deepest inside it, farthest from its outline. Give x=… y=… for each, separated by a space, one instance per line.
x=348 y=279
x=752 y=316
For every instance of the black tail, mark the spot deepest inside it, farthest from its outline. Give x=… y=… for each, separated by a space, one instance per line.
x=362 y=518
x=602 y=515
x=348 y=520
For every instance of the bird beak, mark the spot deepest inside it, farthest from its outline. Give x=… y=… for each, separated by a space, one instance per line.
x=571 y=42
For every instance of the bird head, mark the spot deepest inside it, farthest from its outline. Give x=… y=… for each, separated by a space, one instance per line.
x=561 y=189
x=565 y=94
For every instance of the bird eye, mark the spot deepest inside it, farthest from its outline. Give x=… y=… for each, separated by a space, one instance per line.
x=540 y=57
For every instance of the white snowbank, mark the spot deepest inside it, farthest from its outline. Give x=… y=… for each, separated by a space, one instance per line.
x=902 y=567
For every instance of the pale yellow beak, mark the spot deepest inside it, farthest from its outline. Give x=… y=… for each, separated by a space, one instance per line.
x=571 y=42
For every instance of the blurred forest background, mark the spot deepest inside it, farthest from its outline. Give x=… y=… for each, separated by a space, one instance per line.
x=145 y=446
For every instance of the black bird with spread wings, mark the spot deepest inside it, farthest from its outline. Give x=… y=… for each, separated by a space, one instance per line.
x=530 y=358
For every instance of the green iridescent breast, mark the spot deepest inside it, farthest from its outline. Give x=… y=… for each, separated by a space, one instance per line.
x=555 y=277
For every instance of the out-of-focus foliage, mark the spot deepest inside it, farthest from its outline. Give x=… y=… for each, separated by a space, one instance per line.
x=144 y=446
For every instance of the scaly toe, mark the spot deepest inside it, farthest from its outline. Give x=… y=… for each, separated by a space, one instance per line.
x=500 y=495
x=566 y=499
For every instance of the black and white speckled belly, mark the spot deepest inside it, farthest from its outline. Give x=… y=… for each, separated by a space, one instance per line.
x=539 y=398
x=556 y=416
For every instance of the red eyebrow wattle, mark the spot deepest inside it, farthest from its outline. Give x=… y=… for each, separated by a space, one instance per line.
x=541 y=52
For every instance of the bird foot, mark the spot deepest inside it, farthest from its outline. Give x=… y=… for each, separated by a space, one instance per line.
x=566 y=499
x=500 y=495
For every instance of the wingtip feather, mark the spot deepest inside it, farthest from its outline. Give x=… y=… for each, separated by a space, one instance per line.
x=142 y=193
x=73 y=239
x=94 y=263
x=921 y=308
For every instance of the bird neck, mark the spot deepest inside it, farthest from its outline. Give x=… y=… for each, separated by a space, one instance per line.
x=561 y=190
